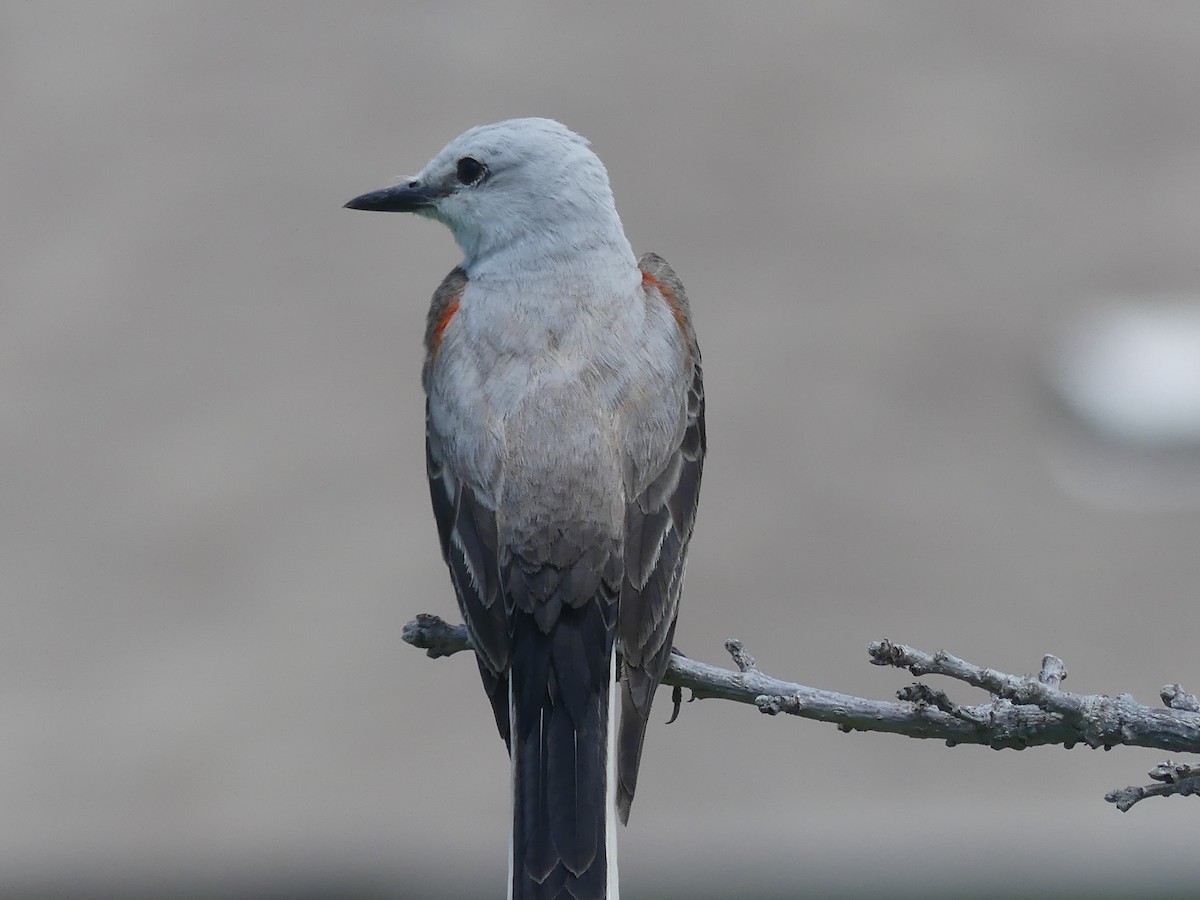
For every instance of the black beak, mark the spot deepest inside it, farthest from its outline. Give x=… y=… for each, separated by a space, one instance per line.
x=407 y=197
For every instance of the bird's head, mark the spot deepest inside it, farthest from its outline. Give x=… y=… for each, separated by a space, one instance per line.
x=525 y=186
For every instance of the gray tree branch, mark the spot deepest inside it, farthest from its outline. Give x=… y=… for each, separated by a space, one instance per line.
x=1024 y=710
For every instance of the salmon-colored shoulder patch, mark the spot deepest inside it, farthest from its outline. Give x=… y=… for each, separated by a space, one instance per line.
x=669 y=297
x=442 y=310
x=445 y=314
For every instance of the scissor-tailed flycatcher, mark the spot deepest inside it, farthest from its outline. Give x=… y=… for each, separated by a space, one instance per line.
x=565 y=437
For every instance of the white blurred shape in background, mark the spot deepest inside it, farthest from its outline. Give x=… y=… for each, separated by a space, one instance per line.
x=1131 y=373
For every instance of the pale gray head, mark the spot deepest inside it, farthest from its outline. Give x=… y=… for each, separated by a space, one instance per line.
x=515 y=194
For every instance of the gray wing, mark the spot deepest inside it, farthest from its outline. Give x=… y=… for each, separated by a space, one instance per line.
x=658 y=526
x=467 y=532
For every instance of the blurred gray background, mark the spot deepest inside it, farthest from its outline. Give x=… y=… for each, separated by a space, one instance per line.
x=214 y=512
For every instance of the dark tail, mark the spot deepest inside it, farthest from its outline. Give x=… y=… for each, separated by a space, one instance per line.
x=560 y=703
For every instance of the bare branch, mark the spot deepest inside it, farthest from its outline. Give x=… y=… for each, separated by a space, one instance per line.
x=1098 y=720
x=741 y=657
x=1175 y=697
x=1172 y=779
x=1024 y=711
x=436 y=636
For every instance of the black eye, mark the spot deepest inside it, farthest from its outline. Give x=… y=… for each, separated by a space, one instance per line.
x=470 y=170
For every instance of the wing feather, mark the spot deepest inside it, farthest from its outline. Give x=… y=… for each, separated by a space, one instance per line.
x=467 y=530
x=658 y=526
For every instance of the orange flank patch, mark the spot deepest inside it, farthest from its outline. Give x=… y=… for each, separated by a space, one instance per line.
x=447 y=313
x=668 y=295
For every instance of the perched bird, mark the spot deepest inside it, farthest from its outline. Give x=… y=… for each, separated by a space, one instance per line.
x=565 y=439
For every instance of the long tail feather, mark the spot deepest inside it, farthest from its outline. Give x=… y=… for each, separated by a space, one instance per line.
x=562 y=744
